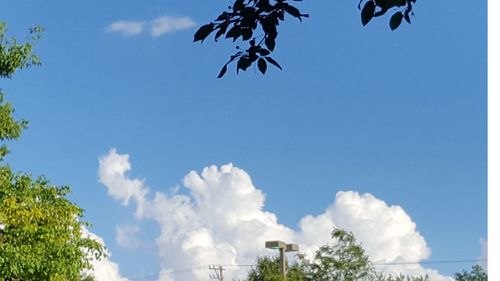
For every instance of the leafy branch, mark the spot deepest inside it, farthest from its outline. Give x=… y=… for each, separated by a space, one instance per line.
x=245 y=17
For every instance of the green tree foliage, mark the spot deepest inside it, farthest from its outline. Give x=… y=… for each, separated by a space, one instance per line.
x=476 y=274
x=9 y=127
x=40 y=229
x=257 y=22
x=381 y=277
x=14 y=56
x=41 y=237
x=343 y=260
x=268 y=269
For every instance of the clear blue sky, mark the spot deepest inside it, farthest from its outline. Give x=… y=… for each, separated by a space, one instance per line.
x=400 y=115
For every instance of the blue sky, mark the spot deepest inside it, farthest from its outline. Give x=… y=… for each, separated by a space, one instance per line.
x=400 y=115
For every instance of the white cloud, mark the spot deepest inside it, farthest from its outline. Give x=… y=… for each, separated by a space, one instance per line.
x=112 y=170
x=156 y=27
x=221 y=219
x=103 y=269
x=166 y=24
x=126 y=236
x=127 y=28
x=387 y=233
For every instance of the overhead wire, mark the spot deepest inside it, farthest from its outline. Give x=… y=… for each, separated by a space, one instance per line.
x=182 y=270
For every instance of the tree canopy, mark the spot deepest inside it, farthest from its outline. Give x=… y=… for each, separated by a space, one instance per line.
x=268 y=269
x=476 y=274
x=245 y=18
x=41 y=231
x=14 y=56
x=342 y=260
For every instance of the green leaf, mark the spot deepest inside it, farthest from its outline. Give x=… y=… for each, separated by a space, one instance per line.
x=273 y=62
x=395 y=20
x=203 y=32
x=262 y=65
x=367 y=12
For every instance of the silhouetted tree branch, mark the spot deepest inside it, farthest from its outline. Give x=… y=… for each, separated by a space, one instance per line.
x=246 y=17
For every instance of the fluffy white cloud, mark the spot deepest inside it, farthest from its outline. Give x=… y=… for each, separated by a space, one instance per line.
x=221 y=219
x=387 y=233
x=103 y=269
x=112 y=170
x=156 y=27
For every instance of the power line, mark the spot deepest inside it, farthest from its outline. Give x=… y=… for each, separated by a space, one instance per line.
x=172 y=271
x=432 y=262
x=218 y=272
x=211 y=267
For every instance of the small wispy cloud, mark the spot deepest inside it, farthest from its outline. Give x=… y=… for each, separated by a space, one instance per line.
x=127 y=28
x=126 y=236
x=162 y=25
x=155 y=27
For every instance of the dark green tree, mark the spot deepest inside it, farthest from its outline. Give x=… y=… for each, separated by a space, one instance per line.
x=40 y=229
x=343 y=260
x=476 y=274
x=257 y=22
x=268 y=269
x=381 y=277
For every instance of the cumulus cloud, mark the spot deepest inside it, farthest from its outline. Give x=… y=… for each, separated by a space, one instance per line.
x=103 y=269
x=156 y=27
x=220 y=218
x=112 y=173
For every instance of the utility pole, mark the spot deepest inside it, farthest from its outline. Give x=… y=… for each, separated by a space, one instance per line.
x=218 y=272
x=282 y=247
x=282 y=263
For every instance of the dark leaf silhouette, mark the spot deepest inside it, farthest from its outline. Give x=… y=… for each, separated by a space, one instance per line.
x=247 y=33
x=396 y=20
x=407 y=16
x=273 y=62
x=262 y=65
x=367 y=12
x=257 y=22
x=243 y=63
x=263 y=52
x=234 y=32
x=293 y=11
x=270 y=43
x=203 y=32
x=222 y=71
x=238 y=5
x=222 y=29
